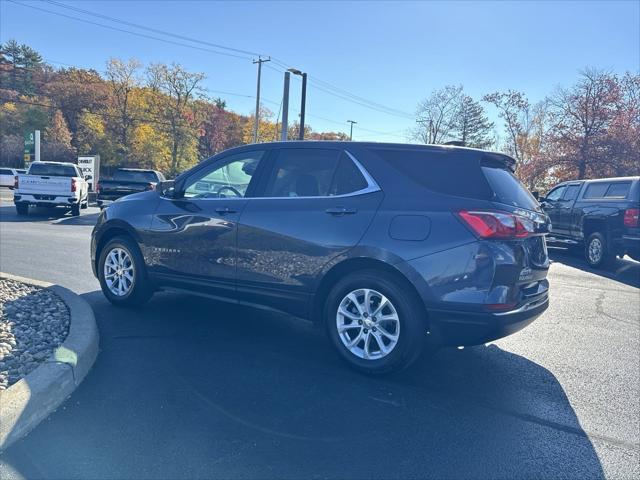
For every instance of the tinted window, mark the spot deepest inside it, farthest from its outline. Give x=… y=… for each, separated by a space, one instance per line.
x=135 y=176
x=53 y=170
x=556 y=194
x=596 y=190
x=508 y=189
x=302 y=173
x=347 y=177
x=572 y=192
x=618 y=190
x=5 y=171
x=228 y=178
x=441 y=171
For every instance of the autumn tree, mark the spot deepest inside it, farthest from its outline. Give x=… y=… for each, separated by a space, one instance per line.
x=123 y=79
x=56 y=143
x=582 y=117
x=175 y=88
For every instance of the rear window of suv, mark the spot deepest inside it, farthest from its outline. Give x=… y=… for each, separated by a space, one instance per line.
x=135 y=176
x=52 y=170
x=508 y=188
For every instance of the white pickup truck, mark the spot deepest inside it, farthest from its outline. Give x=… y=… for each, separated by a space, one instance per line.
x=51 y=184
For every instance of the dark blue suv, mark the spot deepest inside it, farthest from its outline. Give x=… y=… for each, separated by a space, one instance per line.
x=390 y=247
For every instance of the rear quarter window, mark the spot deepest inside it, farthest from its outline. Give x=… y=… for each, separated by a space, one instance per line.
x=445 y=172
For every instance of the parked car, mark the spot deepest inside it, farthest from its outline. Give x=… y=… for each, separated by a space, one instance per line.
x=599 y=216
x=51 y=184
x=126 y=181
x=390 y=247
x=8 y=177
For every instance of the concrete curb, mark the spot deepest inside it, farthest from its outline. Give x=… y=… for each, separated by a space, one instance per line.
x=29 y=401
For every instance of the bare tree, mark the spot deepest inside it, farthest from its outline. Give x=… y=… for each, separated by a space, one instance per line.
x=436 y=115
x=123 y=78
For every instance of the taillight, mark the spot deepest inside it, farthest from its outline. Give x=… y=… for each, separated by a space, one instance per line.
x=151 y=186
x=97 y=187
x=73 y=184
x=490 y=224
x=15 y=182
x=631 y=216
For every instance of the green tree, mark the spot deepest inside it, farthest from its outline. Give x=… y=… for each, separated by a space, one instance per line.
x=470 y=124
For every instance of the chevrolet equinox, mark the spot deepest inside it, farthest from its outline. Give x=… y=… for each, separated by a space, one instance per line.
x=390 y=248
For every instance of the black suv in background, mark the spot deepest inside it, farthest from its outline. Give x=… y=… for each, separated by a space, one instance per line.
x=385 y=245
x=600 y=216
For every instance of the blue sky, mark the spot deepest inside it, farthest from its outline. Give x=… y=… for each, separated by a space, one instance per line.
x=391 y=53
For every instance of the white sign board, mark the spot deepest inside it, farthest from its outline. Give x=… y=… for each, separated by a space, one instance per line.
x=90 y=165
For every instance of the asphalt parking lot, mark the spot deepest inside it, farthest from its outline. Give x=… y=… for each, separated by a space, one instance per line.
x=190 y=388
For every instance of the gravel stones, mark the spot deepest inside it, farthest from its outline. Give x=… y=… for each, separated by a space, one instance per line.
x=33 y=322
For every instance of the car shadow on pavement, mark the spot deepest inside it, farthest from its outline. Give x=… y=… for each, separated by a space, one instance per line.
x=59 y=216
x=622 y=270
x=187 y=387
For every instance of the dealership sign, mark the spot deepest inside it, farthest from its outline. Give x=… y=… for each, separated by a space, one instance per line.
x=90 y=165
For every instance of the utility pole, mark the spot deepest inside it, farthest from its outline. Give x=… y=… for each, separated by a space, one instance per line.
x=430 y=131
x=302 y=106
x=285 y=107
x=351 y=131
x=260 y=61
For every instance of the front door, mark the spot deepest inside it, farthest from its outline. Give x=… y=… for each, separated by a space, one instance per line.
x=193 y=237
x=316 y=203
x=552 y=207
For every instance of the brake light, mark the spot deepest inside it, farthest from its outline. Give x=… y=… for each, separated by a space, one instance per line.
x=493 y=224
x=151 y=186
x=631 y=216
x=97 y=187
x=15 y=182
x=73 y=184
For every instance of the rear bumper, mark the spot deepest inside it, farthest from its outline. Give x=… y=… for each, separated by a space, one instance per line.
x=44 y=200
x=631 y=245
x=463 y=328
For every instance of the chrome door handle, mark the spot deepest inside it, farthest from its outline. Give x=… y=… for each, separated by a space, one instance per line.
x=224 y=210
x=338 y=211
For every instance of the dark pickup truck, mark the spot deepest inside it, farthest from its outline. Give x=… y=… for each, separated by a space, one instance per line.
x=126 y=181
x=601 y=216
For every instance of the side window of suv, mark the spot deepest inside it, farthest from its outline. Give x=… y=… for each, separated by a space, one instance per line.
x=228 y=178
x=347 y=178
x=618 y=190
x=302 y=172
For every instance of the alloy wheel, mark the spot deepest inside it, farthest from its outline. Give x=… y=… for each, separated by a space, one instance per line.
x=595 y=250
x=368 y=324
x=119 y=273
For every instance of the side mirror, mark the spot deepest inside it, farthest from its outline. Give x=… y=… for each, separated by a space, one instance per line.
x=166 y=188
x=536 y=195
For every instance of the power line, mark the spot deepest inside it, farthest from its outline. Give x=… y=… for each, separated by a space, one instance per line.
x=317 y=83
x=129 y=31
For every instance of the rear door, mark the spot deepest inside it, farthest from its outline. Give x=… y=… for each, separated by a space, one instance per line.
x=314 y=204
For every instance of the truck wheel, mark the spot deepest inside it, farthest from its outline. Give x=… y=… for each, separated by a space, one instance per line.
x=374 y=323
x=597 y=251
x=75 y=209
x=123 y=273
x=22 y=208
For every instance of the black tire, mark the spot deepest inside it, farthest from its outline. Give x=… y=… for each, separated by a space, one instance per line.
x=597 y=251
x=75 y=209
x=141 y=290
x=22 y=208
x=410 y=312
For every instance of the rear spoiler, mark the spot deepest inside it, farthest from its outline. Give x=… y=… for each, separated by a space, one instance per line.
x=499 y=160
